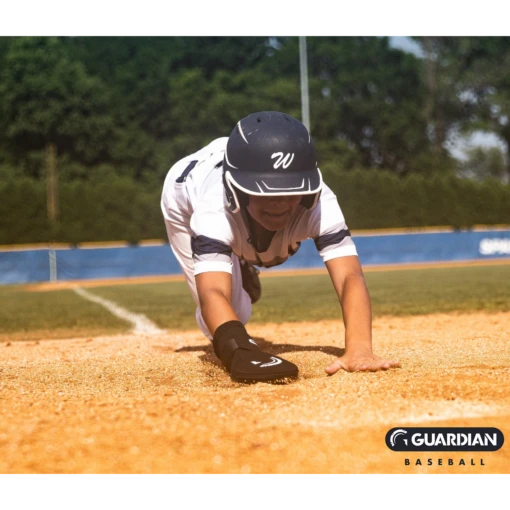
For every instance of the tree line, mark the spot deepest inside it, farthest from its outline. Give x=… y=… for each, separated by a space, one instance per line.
x=119 y=111
x=118 y=208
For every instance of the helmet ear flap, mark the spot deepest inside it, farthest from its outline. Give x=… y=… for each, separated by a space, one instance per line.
x=310 y=201
x=243 y=198
x=235 y=197
x=229 y=193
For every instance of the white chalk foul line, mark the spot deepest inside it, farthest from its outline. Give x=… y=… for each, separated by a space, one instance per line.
x=142 y=325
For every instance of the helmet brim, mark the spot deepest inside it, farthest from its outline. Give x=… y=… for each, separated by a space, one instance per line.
x=288 y=183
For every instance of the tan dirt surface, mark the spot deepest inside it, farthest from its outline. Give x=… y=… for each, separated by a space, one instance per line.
x=163 y=404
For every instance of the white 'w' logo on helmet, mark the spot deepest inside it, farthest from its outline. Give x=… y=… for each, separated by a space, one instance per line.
x=282 y=161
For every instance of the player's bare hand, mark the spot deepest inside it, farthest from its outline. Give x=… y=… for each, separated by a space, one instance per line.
x=361 y=362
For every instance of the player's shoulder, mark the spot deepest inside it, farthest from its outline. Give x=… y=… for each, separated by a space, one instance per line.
x=205 y=183
x=326 y=193
x=326 y=213
x=326 y=188
x=211 y=151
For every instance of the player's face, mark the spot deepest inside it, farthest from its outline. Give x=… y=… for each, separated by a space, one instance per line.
x=273 y=213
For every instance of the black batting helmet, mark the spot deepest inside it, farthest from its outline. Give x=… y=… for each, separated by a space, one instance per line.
x=270 y=153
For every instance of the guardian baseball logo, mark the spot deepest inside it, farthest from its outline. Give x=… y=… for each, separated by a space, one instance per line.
x=444 y=439
x=395 y=434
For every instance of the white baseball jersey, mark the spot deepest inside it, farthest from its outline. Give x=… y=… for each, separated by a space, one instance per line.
x=216 y=232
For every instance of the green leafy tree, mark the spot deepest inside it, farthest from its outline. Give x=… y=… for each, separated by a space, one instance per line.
x=372 y=97
x=414 y=202
x=233 y=54
x=441 y=76
x=141 y=71
x=22 y=211
x=469 y=87
x=484 y=162
x=47 y=98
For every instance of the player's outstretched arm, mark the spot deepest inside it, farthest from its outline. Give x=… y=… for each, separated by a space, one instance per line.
x=214 y=293
x=349 y=282
x=240 y=354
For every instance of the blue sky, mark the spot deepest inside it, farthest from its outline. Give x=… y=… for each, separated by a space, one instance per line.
x=406 y=44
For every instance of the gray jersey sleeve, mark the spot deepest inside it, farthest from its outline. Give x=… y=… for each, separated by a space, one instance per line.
x=328 y=229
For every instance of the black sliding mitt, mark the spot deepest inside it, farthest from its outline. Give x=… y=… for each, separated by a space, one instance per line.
x=243 y=358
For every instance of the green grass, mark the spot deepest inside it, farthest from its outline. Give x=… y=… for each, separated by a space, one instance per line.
x=312 y=297
x=62 y=313
x=459 y=289
x=168 y=304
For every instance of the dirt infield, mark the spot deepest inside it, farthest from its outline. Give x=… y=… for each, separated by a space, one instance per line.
x=163 y=404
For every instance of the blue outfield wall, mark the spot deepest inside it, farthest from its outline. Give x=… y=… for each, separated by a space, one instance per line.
x=116 y=262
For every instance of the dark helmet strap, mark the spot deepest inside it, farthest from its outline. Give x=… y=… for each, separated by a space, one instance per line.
x=243 y=198
x=308 y=201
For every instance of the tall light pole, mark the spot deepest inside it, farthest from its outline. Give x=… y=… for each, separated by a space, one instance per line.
x=52 y=204
x=303 y=65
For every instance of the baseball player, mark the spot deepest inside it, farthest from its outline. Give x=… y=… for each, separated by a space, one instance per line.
x=249 y=200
